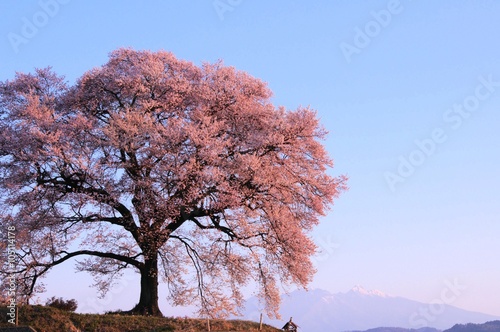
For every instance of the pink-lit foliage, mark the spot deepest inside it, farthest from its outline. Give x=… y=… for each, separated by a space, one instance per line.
x=187 y=174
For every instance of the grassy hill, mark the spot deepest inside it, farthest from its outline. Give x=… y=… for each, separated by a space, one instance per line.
x=47 y=319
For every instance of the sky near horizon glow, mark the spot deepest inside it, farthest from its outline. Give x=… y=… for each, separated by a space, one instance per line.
x=408 y=90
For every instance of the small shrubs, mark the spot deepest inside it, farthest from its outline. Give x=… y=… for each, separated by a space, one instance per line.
x=61 y=304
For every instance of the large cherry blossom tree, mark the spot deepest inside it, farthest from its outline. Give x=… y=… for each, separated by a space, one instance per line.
x=187 y=174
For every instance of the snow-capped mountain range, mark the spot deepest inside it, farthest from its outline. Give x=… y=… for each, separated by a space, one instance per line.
x=360 y=309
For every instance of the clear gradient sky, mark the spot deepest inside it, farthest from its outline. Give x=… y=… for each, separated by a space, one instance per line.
x=409 y=91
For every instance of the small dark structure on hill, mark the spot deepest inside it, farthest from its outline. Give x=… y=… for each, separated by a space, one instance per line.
x=290 y=326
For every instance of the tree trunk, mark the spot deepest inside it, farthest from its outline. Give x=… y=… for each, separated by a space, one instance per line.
x=148 y=300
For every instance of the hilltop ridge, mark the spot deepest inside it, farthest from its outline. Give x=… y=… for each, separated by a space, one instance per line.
x=47 y=319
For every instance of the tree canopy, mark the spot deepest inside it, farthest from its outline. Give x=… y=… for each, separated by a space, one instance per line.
x=187 y=174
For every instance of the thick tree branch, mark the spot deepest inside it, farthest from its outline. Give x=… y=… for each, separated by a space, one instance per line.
x=68 y=185
x=128 y=260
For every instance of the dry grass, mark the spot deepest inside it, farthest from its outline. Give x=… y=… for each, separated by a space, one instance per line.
x=46 y=319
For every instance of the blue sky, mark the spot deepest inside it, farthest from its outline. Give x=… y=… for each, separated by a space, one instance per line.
x=409 y=91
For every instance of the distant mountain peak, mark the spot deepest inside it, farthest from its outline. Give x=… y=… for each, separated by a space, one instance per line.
x=360 y=309
x=362 y=291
